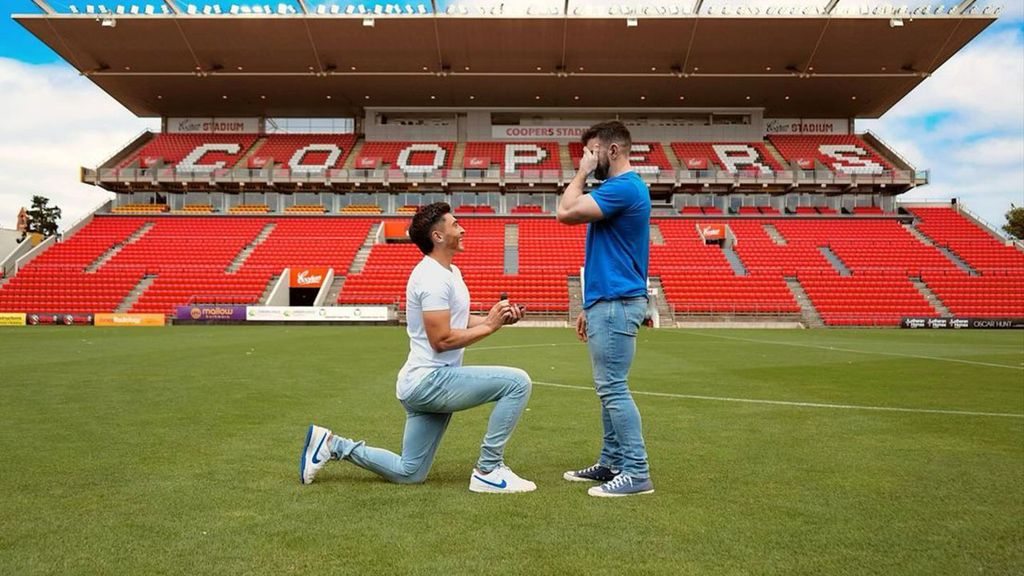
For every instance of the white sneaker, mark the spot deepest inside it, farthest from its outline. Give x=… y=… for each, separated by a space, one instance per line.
x=501 y=480
x=315 y=453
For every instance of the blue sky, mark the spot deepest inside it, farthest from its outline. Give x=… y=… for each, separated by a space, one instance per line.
x=965 y=124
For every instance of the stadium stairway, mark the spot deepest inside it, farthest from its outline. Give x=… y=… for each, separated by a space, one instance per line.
x=459 y=154
x=270 y=288
x=244 y=254
x=811 y=316
x=575 y=297
x=244 y=160
x=734 y=259
x=657 y=239
x=834 y=260
x=335 y=290
x=511 y=249
x=774 y=234
x=916 y=233
x=350 y=161
x=666 y=319
x=106 y=256
x=930 y=296
x=135 y=293
x=359 y=262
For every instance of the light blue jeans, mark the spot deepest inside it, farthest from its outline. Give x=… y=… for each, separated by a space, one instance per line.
x=429 y=409
x=612 y=326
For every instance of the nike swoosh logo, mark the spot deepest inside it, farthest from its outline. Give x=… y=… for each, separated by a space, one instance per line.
x=495 y=484
x=317 y=451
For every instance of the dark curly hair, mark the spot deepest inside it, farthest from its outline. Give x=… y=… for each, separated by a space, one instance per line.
x=608 y=132
x=423 y=223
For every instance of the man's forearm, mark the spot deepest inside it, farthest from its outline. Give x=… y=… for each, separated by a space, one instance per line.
x=457 y=338
x=572 y=193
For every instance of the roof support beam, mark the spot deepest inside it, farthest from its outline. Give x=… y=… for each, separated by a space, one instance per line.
x=831 y=6
x=961 y=8
x=173 y=5
x=302 y=6
x=696 y=6
x=43 y=6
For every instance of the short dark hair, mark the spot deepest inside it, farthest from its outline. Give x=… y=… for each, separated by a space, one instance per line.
x=608 y=132
x=423 y=224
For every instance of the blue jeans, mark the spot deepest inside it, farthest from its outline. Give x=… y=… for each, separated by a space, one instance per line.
x=429 y=409
x=612 y=326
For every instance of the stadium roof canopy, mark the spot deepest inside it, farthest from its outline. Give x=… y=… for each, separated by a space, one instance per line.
x=331 y=65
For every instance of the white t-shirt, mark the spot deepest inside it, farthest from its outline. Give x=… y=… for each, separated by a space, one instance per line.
x=431 y=287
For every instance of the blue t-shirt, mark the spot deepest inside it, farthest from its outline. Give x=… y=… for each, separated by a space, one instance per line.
x=618 y=245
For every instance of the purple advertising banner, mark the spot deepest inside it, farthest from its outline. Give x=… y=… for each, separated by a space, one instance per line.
x=211 y=313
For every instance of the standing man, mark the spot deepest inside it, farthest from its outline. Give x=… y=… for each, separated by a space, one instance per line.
x=433 y=383
x=614 y=300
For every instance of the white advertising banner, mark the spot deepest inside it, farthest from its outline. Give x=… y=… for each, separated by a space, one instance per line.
x=213 y=125
x=537 y=132
x=806 y=126
x=317 y=314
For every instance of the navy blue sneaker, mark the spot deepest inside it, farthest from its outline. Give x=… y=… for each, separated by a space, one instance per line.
x=623 y=485
x=595 y=473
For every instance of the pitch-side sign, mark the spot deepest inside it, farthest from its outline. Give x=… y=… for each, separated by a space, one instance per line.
x=317 y=314
x=213 y=125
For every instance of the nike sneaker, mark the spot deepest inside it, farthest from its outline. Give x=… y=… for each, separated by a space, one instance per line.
x=501 y=480
x=315 y=453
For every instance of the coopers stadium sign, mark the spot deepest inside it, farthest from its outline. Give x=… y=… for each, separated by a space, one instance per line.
x=212 y=125
x=534 y=132
x=806 y=126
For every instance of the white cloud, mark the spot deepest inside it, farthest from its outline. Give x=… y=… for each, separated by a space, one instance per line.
x=56 y=121
x=965 y=125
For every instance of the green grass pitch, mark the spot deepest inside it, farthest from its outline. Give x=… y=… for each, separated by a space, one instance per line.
x=175 y=451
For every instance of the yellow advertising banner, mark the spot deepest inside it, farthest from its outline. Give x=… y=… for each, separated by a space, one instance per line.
x=129 y=320
x=12 y=319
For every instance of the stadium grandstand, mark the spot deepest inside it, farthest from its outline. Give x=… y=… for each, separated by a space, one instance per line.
x=301 y=138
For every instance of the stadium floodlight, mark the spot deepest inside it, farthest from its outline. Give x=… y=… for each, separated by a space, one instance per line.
x=362 y=9
x=164 y=9
x=350 y=9
x=149 y=10
x=234 y=9
x=102 y=9
x=378 y=9
x=119 y=9
x=216 y=9
x=134 y=9
x=421 y=9
x=321 y=10
x=389 y=9
x=192 y=9
x=73 y=9
x=336 y=9
x=207 y=10
x=257 y=9
x=451 y=9
x=90 y=9
x=409 y=9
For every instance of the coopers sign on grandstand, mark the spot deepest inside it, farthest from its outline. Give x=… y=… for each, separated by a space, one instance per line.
x=806 y=126
x=535 y=132
x=213 y=125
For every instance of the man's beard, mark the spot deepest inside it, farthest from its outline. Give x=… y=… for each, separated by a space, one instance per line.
x=601 y=171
